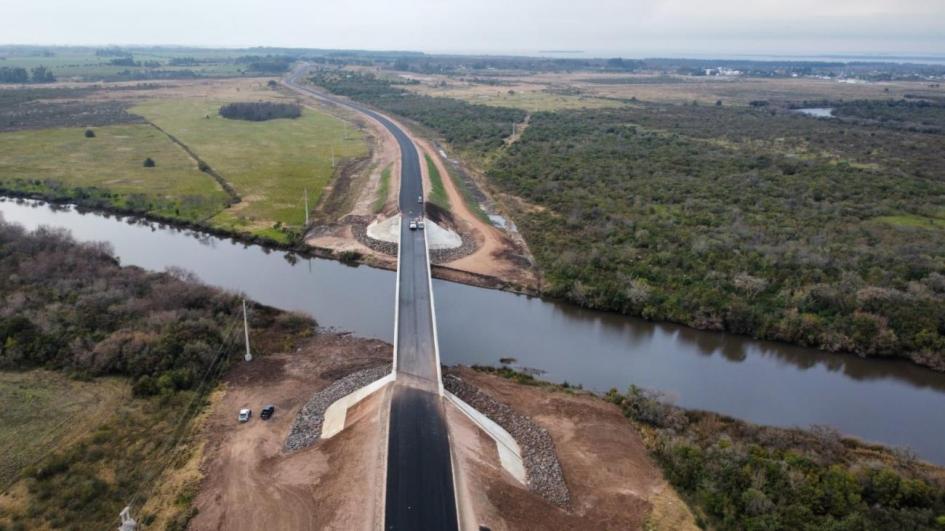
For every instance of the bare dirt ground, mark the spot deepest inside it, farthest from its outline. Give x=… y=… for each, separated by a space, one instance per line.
x=251 y=483
x=613 y=482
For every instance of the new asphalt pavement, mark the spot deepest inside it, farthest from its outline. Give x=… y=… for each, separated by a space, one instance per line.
x=420 y=491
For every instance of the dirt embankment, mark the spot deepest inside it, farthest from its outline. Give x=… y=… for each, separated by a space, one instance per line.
x=251 y=483
x=612 y=480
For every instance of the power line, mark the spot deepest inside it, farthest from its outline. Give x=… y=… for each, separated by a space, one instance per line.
x=188 y=415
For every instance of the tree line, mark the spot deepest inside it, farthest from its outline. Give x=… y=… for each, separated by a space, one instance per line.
x=39 y=74
x=475 y=128
x=259 y=111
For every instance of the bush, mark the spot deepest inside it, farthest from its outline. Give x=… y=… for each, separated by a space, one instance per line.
x=739 y=476
x=350 y=257
x=149 y=163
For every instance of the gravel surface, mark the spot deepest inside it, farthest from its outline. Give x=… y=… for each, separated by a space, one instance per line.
x=307 y=427
x=359 y=229
x=443 y=256
x=542 y=469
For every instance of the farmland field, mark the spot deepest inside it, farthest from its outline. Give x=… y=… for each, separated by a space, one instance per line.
x=43 y=410
x=270 y=163
x=113 y=161
x=83 y=65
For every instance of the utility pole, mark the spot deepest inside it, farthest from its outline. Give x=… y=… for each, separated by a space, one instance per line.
x=249 y=355
x=333 y=156
x=306 y=207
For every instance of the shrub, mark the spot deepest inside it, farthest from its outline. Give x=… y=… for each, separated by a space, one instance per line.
x=149 y=163
x=89 y=133
x=349 y=257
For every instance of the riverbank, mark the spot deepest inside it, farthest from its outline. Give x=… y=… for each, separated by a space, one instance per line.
x=129 y=359
x=735 y=474
x=889 y=401
x=609 y=480
x=297 y=247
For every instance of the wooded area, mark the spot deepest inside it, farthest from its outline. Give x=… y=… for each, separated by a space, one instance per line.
x=739 y=476
x=752 y=221
x=72 y=308
x=475 y=128
x=260 y=111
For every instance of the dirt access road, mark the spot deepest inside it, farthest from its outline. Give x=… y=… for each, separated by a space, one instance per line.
x=251 y=483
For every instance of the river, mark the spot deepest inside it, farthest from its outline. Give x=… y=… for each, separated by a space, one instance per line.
x=890 y=402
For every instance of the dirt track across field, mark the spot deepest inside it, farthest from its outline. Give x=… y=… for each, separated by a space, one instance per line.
x=251 y=483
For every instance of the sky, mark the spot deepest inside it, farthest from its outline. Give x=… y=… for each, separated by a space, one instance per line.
x=629 y=28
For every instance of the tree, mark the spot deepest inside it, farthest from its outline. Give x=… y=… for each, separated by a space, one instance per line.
x=402 y=64
x=260 y=111
x=41 y=74
x=149 y=163
x=89 y=133
x=13 y=75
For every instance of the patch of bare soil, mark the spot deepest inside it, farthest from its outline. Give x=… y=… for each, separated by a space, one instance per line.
x=251 y=483
x=612 y=480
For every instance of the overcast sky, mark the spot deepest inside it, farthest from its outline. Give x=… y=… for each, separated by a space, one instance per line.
x=602 y=27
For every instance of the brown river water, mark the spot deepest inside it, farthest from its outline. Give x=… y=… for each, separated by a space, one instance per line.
x=889 y=402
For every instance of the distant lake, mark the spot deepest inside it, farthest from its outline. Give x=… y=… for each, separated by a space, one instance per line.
x=817 y=112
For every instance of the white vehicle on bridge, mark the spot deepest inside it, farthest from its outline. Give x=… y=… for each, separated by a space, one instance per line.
x=419 y=199
x=413 y=225
x=420 y=223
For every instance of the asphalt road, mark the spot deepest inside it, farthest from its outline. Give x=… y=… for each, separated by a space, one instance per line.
x=419 y=470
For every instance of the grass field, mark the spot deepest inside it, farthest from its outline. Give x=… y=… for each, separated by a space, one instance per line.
x=75 y=452
x=913 y=221
x=531 y=98
x=576 y=90
x=83 y=64
x=41 y=410
x=383 y=190
x=268 y=163
x=112 y=160
x=437 y=192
